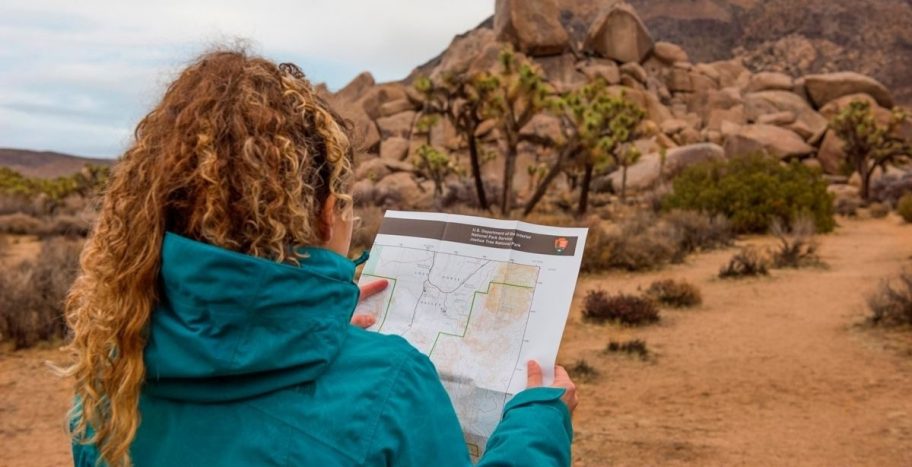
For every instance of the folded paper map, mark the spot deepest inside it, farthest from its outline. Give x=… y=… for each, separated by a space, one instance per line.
x=480 y=297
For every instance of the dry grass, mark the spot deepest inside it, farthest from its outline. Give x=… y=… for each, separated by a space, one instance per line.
x=749 y=262
x=677 y=294
x=632 y=310
x=891 y=305
x=32 y=294
x=796 y=246
x=631 y=347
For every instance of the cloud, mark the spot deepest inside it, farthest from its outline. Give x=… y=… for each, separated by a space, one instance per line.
x=77 y=76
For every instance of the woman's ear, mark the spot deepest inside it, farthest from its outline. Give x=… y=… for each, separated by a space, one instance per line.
x=328 y=218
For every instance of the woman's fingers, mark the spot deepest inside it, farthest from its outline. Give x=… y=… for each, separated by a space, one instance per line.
x=363 y=321
x=534 y=371
x=372 y=288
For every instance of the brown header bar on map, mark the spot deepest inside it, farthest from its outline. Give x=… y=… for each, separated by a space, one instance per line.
x=491 y=237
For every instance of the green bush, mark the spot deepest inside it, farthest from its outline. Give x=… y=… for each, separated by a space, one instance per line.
x=904 y=207
x=752 y=191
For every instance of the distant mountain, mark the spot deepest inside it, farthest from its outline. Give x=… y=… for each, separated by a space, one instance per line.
x=45 y=164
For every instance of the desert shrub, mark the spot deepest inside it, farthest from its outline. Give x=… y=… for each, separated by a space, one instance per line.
x=904 y=207
x=847 y=207
x=878 y=210
x=678 y=294
x=67 y=225
x=796 y=247
x=32 y=294
x=582 y=371
x=363 y=234
x=889 y=188
x=621 y=308
x=696 y=231
x=21 y=224
x=748 y=262
x=644 y=241
x=892 y=305
x=632 y=347
x=753 y=190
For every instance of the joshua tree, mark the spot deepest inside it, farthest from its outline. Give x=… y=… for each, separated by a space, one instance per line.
x=519 y=94
x=462 y=99
x=599 y=128
x=869 y=144
x=435 y=165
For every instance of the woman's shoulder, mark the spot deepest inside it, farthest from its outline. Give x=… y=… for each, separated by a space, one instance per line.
x=367 y=347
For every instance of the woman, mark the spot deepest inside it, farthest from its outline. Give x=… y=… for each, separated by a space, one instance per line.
x=211 y=316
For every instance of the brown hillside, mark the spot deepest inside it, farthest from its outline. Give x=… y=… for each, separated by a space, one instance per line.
x=45 y=164
x=868 y=36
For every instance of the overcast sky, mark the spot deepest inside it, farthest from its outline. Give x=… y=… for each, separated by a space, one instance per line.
x=76 y=76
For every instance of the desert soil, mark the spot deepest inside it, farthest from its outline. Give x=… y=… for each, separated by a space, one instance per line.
x=770 y=371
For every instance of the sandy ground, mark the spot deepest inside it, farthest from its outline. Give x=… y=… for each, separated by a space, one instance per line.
x=773 y=371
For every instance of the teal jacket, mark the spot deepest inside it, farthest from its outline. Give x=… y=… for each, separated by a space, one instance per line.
x=251 y=362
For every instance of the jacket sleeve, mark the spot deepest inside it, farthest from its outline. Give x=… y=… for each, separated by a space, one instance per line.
x=418 y=425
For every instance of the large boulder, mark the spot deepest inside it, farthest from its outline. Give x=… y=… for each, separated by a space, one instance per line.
x=824 y=88
x=542 y=129
x=649 y=170
x=400 y=189
x=806 y=122
x=670 y=53
x=770 y=81
x=619 y=34
x=831 y=154
x=600 y=68
x=655 y=110
x=397 y=125
x=772 y=140
x=394 y=148
x=476 y=50
x=355 y=88
x=561 y=72
x=533 y=27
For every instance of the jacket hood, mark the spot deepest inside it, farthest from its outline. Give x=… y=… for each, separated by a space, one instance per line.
x=229 y=326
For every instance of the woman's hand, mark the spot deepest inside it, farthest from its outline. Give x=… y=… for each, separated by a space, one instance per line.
x=368 y=290
x=561 y=380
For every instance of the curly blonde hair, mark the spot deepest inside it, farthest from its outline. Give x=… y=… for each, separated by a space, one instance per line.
x=240 y=153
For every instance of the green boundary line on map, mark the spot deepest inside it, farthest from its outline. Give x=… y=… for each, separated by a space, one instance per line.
x=389 y=300
x=472 y=309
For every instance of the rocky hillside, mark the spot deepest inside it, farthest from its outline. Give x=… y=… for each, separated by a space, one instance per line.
x=45 y=164
x=873 y=37
x=699 y=107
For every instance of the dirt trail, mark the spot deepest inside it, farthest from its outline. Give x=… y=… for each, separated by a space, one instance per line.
x=772 y=371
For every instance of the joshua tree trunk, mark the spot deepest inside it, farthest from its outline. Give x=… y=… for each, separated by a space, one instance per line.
x=506 y=202
x=476 y=172
x=546 y=181
x=584 y=189
x=623 y=183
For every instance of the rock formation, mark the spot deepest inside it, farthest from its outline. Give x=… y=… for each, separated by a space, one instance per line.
x=696 y=111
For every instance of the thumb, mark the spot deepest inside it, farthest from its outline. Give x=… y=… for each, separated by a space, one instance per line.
x=534 y=371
